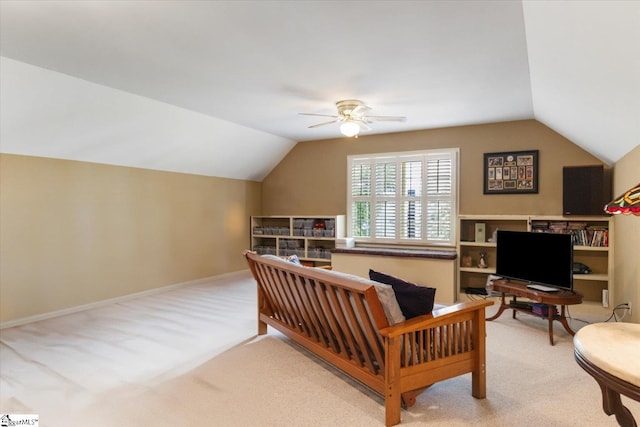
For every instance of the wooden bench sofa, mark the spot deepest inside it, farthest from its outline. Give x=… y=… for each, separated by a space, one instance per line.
x=348 y=322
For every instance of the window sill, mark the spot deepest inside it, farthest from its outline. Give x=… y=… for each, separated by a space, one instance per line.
x=406 y=253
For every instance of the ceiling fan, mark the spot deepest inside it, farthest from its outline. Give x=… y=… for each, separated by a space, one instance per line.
x=351 y=113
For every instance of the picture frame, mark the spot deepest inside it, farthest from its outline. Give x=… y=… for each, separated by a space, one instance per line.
x=511 y=172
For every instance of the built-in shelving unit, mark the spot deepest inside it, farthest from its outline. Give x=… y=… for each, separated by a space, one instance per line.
x=310 y=238
x=593 y=237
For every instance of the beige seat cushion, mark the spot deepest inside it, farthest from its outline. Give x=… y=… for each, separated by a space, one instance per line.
x=613 y=347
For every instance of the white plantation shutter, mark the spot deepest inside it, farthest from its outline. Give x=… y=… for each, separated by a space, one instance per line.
x=403 y=197
x=361 y=179
x=411 y=203
x=385 y=200
x=386 y=179
x=439 y=178
x=360 y=190
x=385 y=219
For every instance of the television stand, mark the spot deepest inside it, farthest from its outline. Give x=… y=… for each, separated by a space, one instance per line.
x=517 y=289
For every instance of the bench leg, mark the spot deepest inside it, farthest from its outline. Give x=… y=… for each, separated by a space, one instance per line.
x=409 y=397
x=392 y=408
x=393 y=395
x=262 y=327
x=479 y=374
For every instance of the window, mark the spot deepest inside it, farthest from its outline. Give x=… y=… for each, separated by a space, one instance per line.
x=403 y=197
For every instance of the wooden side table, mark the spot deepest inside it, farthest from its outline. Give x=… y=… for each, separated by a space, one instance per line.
x=519 y=289
x=609 y=352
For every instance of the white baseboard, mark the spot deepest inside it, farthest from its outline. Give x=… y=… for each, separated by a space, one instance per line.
x=70 y=310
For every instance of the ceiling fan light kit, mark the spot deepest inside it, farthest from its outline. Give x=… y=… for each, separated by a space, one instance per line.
x=349 y=129
x=351 y=115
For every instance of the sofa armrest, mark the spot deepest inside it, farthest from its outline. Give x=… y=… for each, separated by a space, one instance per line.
x=437 y=317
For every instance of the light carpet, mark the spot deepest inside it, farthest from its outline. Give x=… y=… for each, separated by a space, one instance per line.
x=190 y=357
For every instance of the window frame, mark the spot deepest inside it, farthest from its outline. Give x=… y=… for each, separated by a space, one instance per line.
x=398 y=158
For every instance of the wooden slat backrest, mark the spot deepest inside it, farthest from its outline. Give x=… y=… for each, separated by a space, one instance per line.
x=342 y=316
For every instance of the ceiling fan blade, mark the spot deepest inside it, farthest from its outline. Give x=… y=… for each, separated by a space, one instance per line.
x=324 y=124
x=359 y=110
x=384 y=118
x=320 y=115
x=363 y=126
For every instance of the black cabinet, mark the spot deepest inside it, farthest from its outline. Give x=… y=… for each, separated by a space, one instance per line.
x=585 y=190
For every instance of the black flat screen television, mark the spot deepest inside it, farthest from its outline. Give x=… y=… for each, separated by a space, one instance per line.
x=535 y=258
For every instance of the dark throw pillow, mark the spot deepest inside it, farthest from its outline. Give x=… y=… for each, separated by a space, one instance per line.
x=414 y=300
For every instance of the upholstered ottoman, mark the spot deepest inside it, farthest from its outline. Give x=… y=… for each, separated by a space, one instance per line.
x=610 y=353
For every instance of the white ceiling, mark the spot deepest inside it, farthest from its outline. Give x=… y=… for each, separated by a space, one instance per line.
x=215 y=87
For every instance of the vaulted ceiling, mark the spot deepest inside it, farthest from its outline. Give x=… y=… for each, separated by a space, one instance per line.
x=215 y=87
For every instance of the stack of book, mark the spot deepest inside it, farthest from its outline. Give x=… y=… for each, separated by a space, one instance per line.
x=599 y=236
x=549 y=226
x=583 y=233
x=540 y=226
x=579 y=233
x=543 y=309
x=558 y=226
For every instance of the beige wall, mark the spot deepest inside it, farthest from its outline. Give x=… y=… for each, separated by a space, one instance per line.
x=441 y=272
x=312 y=178
x=73 y=233
x=626 y=174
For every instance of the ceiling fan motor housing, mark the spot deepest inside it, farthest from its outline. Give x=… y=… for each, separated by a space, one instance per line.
x=351 y=108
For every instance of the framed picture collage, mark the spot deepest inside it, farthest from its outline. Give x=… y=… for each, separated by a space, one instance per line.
x=511 y=172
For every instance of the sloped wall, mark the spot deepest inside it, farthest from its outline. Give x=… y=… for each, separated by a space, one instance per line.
x=73 y=233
